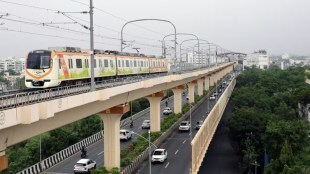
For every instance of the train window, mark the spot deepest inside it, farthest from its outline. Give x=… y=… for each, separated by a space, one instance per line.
x=127 y=63
x=123 y=63
x=106 y=63
x=78 y=63
x=100 y=63
x=70 y=63
x=135 y=63
x=59 y=61
x=111 y=63
x=119 y=63
x=95 y=63
x=86 y=63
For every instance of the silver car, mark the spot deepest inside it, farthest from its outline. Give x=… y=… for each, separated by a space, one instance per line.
x=184 y=126
x=146 y=124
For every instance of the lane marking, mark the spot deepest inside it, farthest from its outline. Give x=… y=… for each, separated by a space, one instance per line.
x=100 y=153
x=176 y=152
x=184 y=141
x=167 y=165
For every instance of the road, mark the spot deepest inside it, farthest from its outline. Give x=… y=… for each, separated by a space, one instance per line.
x=178 y=147
x=95 y=151
x=221 y=158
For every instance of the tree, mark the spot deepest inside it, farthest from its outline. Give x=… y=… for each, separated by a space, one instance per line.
x=278 y=131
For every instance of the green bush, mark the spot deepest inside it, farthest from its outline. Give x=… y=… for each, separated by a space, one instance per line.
x=103 y=170
x=138 y=146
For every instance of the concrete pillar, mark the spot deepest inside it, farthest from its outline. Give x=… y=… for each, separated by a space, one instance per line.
x=4 y=161
x=191 y=91
x=111 y=119
x=215 y=79
x=207 y=81
x=200 y=86
x=154 y=100
x=211 y=80
x=177 y=98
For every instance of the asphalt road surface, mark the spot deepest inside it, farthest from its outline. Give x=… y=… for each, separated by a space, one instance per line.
x=178 y=147
x=95 y=151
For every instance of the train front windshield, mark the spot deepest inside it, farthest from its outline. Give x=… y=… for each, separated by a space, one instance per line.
x=39 y=60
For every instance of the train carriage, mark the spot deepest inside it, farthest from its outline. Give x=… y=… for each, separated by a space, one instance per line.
x=60 y=66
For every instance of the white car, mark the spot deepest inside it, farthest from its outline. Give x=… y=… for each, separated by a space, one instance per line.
x=84 y=166
x=185 y=126
x=159 y=155
x=167 y=111
x=146 y=124
x=212 y=97
x=125 y=134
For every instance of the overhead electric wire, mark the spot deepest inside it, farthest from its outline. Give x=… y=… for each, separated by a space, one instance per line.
x=70 y=30
x=31 y=6
x=54 y=10
x=113 y=30
x=54 y=36
x=120 y=18
x=56 y=27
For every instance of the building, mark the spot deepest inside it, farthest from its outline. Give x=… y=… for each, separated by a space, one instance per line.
x=202 y=59
x=16 y=64
x=259 y=59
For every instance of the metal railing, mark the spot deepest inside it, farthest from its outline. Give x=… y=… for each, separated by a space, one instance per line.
x=27 y=98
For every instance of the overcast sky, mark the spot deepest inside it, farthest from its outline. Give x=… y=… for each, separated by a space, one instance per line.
x=279 y=26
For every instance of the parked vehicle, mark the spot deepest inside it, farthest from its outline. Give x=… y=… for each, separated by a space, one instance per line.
x=146 y=124
x=84 y=166
x=125 y=134
x=159 y=155
x=185 y=126
x=167 y=111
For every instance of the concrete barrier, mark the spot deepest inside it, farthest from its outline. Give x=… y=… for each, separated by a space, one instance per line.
x=60 y=156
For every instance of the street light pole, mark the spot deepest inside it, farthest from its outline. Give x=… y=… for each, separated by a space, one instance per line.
x=92 y=59
x=190 y=40
x=162 y=20
x=150 y=143
x=150 y=165
x=40 y=149
x=190 y=121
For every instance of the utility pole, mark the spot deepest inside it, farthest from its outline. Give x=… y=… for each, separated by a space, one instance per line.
x=92 y=59
x=137 y=49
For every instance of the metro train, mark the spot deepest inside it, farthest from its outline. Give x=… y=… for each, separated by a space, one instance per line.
x=59 y=66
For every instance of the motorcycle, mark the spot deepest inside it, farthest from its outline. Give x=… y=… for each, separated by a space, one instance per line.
x=83 y=154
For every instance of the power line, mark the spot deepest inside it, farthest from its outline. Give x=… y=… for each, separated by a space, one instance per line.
x=55 y=27
x=113 y=30
x=54 y=36
x=120 y=18
x=31 y=6
x=54 y=10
